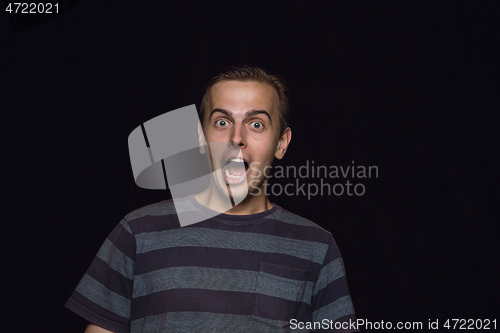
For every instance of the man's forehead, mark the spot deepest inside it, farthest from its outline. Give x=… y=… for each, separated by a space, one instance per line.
x=241 y=96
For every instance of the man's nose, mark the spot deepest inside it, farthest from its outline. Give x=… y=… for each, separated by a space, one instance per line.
x=238 y=136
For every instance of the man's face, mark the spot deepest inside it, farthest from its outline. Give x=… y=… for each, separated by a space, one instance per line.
x=242 y=120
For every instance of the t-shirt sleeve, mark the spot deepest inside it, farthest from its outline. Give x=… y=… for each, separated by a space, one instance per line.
x=104 y=294
x=331 y=301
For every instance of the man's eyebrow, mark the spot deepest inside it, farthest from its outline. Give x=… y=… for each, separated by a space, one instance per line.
x=256 y=112
x=224 y=112
x=247 y=114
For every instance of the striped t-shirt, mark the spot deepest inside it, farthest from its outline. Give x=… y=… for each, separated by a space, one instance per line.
x=268 y=272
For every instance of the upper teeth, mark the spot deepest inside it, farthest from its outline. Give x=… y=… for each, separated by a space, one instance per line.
x=236 y=160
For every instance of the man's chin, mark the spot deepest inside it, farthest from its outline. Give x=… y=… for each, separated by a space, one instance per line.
x=237 y=193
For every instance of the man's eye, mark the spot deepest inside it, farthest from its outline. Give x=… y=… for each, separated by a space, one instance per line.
x=257 y=125
x=221 y=123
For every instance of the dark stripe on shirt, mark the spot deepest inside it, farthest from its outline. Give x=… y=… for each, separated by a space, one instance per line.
x=192 y=300
x=114 y=281
x=332 y=253
x=274 y=308
x=81 y=305
x=213 y=301
x=271 y=227
x=265 y=226
x=345 y=319
x=152 y=223
x=219 y=258
x=331 y=292
x=123 y=240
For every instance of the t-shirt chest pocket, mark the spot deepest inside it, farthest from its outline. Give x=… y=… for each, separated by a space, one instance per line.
x=279 y=291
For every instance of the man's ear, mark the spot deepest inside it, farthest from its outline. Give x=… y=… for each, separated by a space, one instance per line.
x=283 y=143
x=201 y=139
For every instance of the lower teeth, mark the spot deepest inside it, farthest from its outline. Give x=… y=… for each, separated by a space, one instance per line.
x=230 y=176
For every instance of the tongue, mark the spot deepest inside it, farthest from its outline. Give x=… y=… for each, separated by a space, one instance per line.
x=235 y=168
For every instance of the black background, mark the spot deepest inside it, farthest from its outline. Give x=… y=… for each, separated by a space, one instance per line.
x=411 y=87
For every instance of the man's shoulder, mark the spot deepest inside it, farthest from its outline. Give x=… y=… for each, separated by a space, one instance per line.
x=286 y=216
x=162 y=208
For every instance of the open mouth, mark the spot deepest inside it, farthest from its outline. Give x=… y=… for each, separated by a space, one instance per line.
x=235 y=170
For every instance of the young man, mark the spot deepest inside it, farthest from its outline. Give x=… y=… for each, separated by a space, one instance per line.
x=254 y=267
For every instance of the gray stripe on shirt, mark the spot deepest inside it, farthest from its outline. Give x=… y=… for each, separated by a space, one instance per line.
x=204 y=237
x=99 y=294
x=126 y=226
x=116 y=259
x=335 y=310
x=328 y=274
x=222 y=280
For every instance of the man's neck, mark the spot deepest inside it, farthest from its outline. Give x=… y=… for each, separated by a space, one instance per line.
x=249 y=207
x=252 y=204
